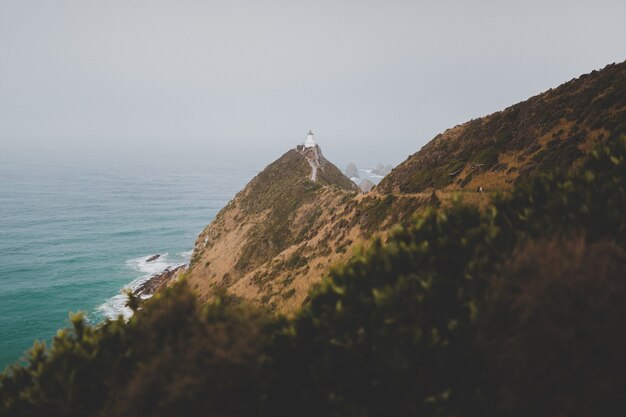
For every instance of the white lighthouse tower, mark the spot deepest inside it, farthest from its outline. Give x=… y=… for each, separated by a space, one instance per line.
x=309 y=142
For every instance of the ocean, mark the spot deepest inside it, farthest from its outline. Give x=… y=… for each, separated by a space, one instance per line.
x=74 y=233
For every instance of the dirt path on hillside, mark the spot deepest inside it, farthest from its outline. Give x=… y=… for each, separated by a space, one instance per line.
x=313 y=170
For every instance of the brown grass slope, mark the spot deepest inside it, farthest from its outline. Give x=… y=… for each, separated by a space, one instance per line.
x=280 y=235
x=276 y=210
x=547 y=131
x=282 y=232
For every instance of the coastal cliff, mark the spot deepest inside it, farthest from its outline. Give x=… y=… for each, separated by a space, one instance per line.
x=266 y=236
x=280 y=235
x=287 y=227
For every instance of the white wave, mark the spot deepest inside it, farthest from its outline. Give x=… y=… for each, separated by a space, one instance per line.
x=152 y=267
x=186 y=255
x=116 y=305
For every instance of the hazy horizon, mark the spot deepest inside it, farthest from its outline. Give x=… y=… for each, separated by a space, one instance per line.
x=374 y=80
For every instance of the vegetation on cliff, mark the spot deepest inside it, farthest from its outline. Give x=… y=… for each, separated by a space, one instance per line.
x=280 y=209
x=511 y=311
x=552 y=130
x=283 y=232
x=280 y=190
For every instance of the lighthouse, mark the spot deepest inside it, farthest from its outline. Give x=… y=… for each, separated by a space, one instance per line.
x=309 y=142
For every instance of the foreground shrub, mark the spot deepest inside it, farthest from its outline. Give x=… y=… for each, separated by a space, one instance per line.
x=390 y=332
x=555 y=335
x=173 y=358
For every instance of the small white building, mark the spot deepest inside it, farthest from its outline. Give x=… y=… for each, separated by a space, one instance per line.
x=309 y=142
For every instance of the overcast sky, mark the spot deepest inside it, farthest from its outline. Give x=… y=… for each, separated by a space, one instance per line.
x=374 y=80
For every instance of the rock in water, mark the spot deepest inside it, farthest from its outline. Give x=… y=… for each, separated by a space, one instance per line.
x=159 y=281
x=153 y=258
x=351 y=171
x=382 y=169
x=366 y=185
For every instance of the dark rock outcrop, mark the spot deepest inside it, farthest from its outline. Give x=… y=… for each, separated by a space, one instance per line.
x=159 y=281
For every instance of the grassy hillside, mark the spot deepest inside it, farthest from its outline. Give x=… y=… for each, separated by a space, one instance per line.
x=287 y=179
x=549 y=131
x=259 y=231
x=276 y=239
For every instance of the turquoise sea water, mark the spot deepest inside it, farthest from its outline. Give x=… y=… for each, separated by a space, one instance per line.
x=72 y=234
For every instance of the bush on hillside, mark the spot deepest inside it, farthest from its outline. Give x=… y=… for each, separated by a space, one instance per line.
x=389 y=332
x=592 y=200
x=173 y=358
x=394 y=330
x=554 y=331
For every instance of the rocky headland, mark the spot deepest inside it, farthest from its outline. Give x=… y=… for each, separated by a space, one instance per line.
x=281 y=234
x=159 y=281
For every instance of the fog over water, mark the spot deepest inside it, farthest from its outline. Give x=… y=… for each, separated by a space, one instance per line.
x=375 y=80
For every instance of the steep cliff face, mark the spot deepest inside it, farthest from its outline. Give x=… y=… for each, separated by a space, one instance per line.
x=269 y=226
x=551 y=130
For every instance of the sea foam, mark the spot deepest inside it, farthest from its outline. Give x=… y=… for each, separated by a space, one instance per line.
x=116 y=305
